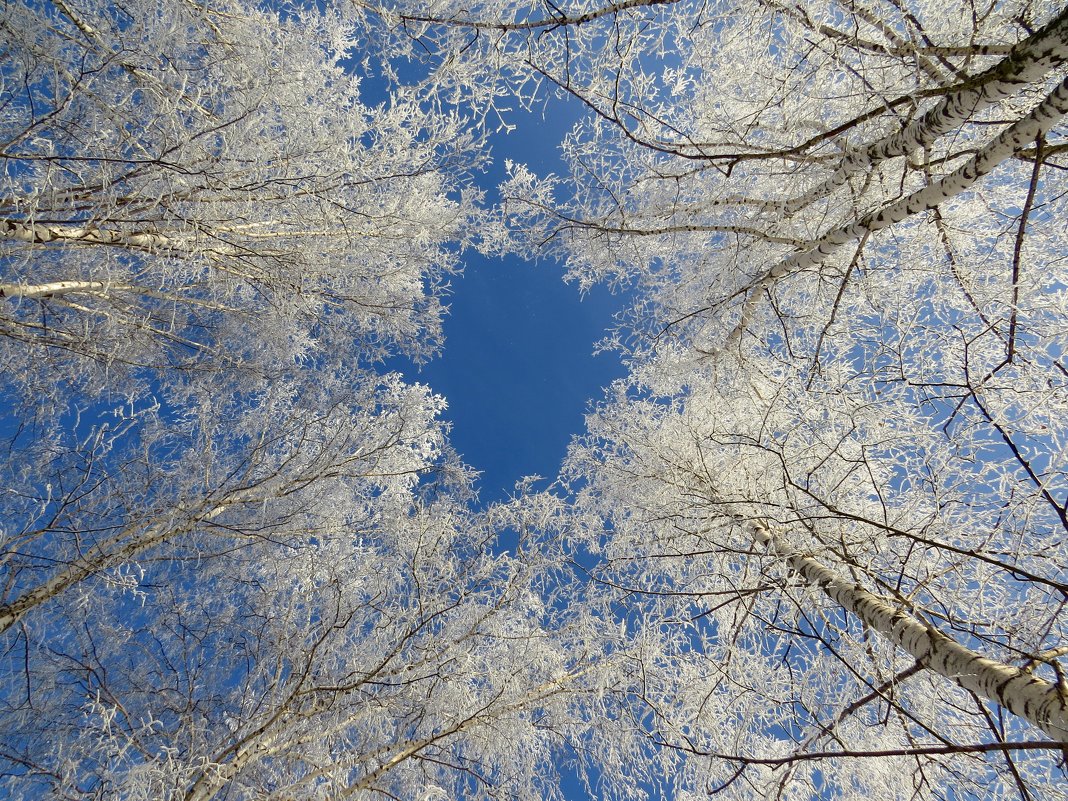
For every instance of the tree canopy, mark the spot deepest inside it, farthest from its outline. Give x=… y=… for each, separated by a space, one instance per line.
x=814 y=546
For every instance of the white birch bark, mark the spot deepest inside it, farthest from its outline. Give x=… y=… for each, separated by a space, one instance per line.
x=269 y=741
x=38 y=234
x=53 y=289
x=103 y=289
x=122 y=547
x=1028 y=62
x=1023 y=132
x=1038 y=701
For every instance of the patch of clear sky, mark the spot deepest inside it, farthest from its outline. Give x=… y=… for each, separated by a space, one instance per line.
x=518 y=367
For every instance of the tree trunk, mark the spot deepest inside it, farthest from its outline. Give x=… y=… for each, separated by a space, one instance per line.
x=1029 y=61
x=1042 y=703
x=121 y=548
x=1023 y=132
x=55 y=288
x=37 y=234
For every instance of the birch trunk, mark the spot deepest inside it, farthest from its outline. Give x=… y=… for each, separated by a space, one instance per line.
x=1028 y=62
x=38 y=234
x=114 y=551
x=1040 y=702
x=1023 y=132
x=265 y=743
x=56 y=288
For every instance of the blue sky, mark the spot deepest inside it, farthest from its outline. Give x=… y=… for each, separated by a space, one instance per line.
x=518 y=368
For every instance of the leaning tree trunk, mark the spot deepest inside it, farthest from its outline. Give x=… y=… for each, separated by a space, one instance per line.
x=1029 y=61
x=1041 y=702
x=1023 y=132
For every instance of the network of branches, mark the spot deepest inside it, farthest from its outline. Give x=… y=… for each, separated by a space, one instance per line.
x=814 y=546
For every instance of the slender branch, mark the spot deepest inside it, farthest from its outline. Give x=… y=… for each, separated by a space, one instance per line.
x=919 y=750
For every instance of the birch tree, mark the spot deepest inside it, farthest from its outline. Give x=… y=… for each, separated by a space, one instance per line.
x=87 y=506
x=203 y=184
x=838 y=464
x=385 y=652
x=891 y=444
